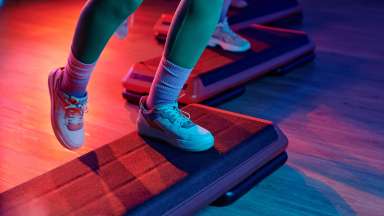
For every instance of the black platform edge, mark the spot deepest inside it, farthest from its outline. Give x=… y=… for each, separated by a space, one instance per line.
x=238 y=191
x=297 y=62
x=225 y=96
x=161 y=38
x=288 y=21
x=134 y=98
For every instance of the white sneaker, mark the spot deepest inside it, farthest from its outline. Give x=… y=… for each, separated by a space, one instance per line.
x=239 y=3
x=168 y=123
x=66 y=113
x=227 y=39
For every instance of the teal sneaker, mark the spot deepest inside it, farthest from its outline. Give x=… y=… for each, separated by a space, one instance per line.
x=173 y=126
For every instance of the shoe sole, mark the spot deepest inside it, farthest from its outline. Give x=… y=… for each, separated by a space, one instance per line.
x=228 y=47
x=147 y=131
x=51 y=83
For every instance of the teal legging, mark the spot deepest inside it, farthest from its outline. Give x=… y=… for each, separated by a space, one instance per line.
x=191 y=28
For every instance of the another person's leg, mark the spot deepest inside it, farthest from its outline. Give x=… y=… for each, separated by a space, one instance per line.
x=225 y=37
x=224 y=10
x=98 y=21
x=123 y=29
x=159 y=117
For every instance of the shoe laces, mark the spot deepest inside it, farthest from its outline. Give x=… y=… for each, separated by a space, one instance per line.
x=177 y=116
x=74 y=110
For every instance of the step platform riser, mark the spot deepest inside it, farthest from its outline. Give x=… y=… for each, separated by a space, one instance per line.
x=140 y=176
x=274 y=50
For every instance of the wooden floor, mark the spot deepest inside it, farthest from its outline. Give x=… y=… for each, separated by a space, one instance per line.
x=332 y=110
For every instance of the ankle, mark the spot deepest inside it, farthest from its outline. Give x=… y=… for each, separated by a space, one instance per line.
x=76 y=94
x=167 y=84
x=75 y=76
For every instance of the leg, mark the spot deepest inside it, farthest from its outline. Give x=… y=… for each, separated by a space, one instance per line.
x=67 y=86
x=159 y=115
x=224 y=11
x=191 y=28
x=193 y=25
x=98 y=21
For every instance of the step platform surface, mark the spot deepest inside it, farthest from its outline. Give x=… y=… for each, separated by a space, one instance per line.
x=219 y=71
x=279 y=12
x=265 y=12
x=139 y=176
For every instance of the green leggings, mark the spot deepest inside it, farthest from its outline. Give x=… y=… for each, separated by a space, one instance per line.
x=191 y=28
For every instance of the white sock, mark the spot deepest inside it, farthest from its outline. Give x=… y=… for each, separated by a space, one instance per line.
x=167 y=84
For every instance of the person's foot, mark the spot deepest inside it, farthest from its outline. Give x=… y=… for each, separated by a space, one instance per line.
x=173 y=126
x=227 y=39
x=239 y=3
x=66 y=113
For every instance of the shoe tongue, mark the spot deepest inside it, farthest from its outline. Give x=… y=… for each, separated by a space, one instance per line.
x=76 y=100
x=227 y=29
x=188 y=123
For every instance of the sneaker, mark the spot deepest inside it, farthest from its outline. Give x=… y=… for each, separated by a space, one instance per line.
x=239 y=3
x=66 y=113
x=173 y=126
x=227 y=39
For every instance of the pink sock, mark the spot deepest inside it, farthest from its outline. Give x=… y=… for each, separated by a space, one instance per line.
x=76 y=76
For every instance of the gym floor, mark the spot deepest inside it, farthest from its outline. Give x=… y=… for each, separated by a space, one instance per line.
x=331 y=110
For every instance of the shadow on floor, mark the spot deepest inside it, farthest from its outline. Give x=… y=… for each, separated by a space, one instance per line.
x=300 y=195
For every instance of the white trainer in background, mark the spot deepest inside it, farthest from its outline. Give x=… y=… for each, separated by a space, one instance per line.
x=227 y=39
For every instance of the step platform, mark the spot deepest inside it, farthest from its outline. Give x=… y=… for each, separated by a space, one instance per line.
x=218 y=72
x=140 y=176
x=277 y=13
